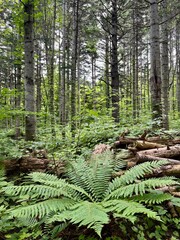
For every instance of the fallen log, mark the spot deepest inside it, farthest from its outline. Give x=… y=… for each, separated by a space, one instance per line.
x=139 y=144
x=167 y=170
x=166 y=152
x=145 y=158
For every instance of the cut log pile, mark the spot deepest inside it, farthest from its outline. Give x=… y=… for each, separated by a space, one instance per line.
x=142 y=149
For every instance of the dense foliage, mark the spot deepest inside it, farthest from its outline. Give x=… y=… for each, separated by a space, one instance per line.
x=88 y=197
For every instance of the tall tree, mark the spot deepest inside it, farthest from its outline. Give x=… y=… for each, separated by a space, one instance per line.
x=155 y=74
x=114 y=61
x=30 y=121
x=74 y=63
x=178 y=63
x=165 y=65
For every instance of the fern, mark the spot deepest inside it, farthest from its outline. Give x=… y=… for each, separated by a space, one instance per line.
x=88 y=196
x=96 y=215
x=41 y=209
x=67 y=189
x=135 y=173
x=155 y=197
x=141 y=187
x=129 y=208
x=93 y=177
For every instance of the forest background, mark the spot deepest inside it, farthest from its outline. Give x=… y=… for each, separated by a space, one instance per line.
x=77 y=73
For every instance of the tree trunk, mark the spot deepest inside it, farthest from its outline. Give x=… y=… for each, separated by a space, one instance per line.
x=38 y=79
x=135 y=68
x=51 y=76
x=165 y=66
x=74 y=64
x=18 y=99
x=30 y=122
x=63 y=79
x=155 y=77
x=107 y=73
x=178 y=64
x=114 y=62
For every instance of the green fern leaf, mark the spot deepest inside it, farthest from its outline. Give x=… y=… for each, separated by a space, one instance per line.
x=155 y=197
x=41 y=177
x=129 y=208
x=85 y=213
x=71 y=189
x=94 y=177
x=134 y=174
x=141 y=187
x=41 y=191
x=43 y=208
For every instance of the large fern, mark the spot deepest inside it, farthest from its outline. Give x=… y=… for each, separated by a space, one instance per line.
x=88 y=196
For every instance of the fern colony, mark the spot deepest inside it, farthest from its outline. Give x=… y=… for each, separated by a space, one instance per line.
x=89 y=197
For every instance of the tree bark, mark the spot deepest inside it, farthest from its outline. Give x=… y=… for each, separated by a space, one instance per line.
x=165 y=67
x=74 y=64
x=178 y=64
x=155 y=77
x=171 y=152
x=107 y=72
x=114 y=62
x=63 y=79
x=30 y=121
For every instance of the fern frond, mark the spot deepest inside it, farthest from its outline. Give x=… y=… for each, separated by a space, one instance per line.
x=71 y=189
x=41 y=191
x=129 y=208
x=134 y=174
x=41 y=177
x=141 y=187
x=43 y=208
x=89 y=214
x=155 y=197
x=94 y=177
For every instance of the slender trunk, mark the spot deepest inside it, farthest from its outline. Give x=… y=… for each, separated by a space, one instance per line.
x=51 y=76
x=30 y=121
x=74 y=64
x=107 y=73
x=155 y=74
x=178 y=65
x=135 y=64
x=38 y=81
x=164 y=66
x=114 y=62
x=63 y=79
x=18 y=99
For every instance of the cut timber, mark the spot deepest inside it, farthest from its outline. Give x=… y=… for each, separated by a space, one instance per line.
x=163 y=140
x=147 y=145
x=168 y=170
x=166 y=152
x=145 y=158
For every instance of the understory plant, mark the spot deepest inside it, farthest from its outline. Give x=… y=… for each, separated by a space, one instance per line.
x=88 y=196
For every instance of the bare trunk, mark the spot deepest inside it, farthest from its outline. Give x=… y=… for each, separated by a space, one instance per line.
x=18 y=100
x=63 y=80
x=164 y=64
x=178 y=64
x=30 y=122
x=155 y=77
x=74 y=64
x=107 y=73
x=114 y=63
